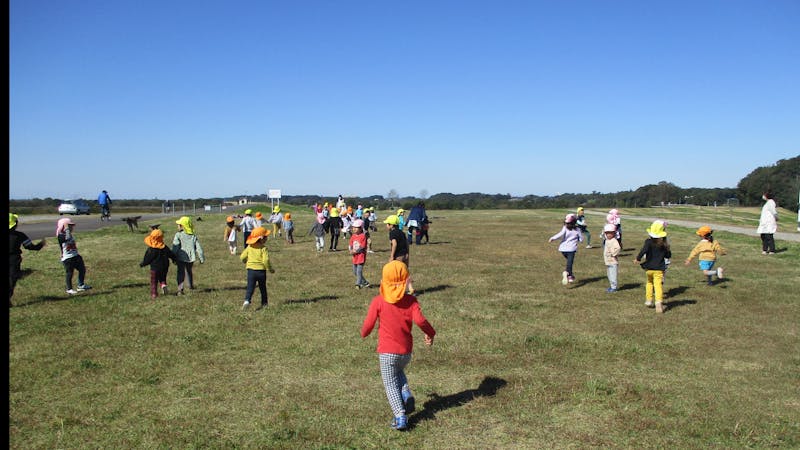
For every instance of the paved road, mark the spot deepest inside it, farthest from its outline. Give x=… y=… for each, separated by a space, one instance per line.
x=749 y=231
x=44 y=226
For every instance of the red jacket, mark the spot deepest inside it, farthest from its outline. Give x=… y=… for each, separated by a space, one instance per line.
x=395 y=322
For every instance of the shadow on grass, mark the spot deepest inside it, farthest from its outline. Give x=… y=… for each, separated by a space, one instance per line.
x=488 y=388
x=437 y=242
x=440 y=287
x=580 y=283
x=674 y=292
x=781 y=250
x=311 y=300
x=627 y=286
x=679 y=303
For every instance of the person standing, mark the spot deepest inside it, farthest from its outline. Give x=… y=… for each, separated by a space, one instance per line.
x=335 y=227
x=276 y=219
x=17 y=240
x=187 y=249
x=399 y=245
x=230 y=234
x=417 y=217
x=581 y=223
x=396 y=311
x=70 y=257
x=611 y=250
x=656 y=250
x=318 y=230
x=288 y=226
x=358 y=249
x=768 y=224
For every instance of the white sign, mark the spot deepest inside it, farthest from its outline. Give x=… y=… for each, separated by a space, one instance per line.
x=274 y=193
x=207 y=207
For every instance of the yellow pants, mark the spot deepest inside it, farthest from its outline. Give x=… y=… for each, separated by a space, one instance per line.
x=655 y=282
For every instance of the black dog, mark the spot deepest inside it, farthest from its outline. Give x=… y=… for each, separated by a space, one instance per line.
x=133 y=222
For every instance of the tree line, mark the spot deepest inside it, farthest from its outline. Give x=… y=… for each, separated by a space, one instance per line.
x=782 y=179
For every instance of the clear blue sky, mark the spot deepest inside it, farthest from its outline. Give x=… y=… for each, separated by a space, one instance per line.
x=187 y=99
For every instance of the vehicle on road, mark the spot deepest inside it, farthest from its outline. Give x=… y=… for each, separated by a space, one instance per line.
x=73 y=207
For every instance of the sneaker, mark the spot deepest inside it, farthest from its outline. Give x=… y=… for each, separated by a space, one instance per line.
x=610 y=290
x=164 y=289
x=763 y=253
x=71 y=291
x=564 y=278
x=660 y=307
x=245 y=305
x=179 y=293
x=366 y=284
x=370 y=251
x=589 y=246
x=571 y=279
x=400 y=423
x=648 y=303
x=408 y=401
x=358 y=286
x=84 y=287
x=719 y=273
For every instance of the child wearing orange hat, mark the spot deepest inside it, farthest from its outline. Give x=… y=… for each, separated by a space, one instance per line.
x=288 y=226
x=230 y=234
x=158 y=256
x=256 y=259
x=396 y=311
x=707 y=251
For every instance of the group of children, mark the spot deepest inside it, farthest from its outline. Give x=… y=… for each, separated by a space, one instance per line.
x=654 y=256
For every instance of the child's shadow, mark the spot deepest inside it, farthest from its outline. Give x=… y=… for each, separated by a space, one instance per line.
x=678 y=303
x=588 y=280
x=440 y=287
x=488 y=388
x=627 y=286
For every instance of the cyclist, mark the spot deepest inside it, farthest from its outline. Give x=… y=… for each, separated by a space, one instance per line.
x=105 y=205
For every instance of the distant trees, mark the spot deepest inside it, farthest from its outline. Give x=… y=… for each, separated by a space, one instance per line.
x=783 y=179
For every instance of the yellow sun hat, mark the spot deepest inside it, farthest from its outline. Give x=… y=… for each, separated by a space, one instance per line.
x=12 y=220
x=393 y=281
x=186 y=223
x=392 y=220
x=657 y=229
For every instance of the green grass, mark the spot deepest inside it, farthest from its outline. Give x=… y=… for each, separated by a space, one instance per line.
x=519 y=361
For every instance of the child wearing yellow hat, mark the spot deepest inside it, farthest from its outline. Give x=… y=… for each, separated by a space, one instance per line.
x=158 y=257
x=396 y=310
x=187 y=249
x=706 y=251
x=276 y=219
x=656 y=250
x=256 y=259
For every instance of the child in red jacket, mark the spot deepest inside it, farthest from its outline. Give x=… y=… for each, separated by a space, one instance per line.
x=396 y=310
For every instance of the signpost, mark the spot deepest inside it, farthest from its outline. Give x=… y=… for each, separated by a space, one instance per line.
x=274 y=194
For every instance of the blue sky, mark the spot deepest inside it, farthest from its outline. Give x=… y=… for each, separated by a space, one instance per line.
x=188 y=99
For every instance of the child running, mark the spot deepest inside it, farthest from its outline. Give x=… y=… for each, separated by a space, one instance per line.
x=230 y=234
x=656 y=250
x=707 y=251
x=395 y=310
x=288 y=226
x=256 y=258
x=187 y=249
x=570 y=236
x=318 y=230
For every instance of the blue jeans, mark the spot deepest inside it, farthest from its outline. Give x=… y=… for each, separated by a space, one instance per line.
x=570 y=258
x=256 y=277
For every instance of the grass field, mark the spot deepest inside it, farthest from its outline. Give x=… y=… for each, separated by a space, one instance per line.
x=519 y=361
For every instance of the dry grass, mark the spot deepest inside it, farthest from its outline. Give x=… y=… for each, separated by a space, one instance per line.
x=519 y=360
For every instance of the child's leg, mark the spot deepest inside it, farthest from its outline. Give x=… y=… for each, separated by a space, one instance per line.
x=153 y=284
x=181 y=275
x=189 y=275
x=649 y=287
x=70 y=270
x=81 y=270
x=612 y=276
x=261 y=280
x=251 y=284
x=356 y=274
x=394 y=379
x=161 y=277
x=570 y=260
x=658 y=285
